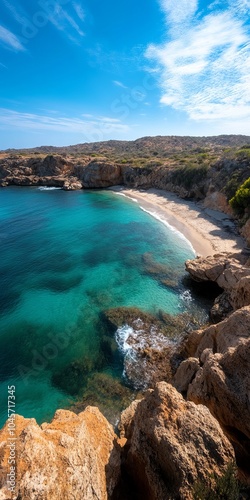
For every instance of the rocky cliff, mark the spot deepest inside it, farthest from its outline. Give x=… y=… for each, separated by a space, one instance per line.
x=177 y=436
x=75 y=456
x=216 y=360
x=178 y=439
x=166 y=446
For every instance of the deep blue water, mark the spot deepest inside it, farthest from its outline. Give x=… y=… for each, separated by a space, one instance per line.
x=65 y=257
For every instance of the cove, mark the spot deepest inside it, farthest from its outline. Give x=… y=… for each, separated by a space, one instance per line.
x=65 y=258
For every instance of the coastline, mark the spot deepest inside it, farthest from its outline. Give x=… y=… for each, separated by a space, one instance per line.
x=208 y=231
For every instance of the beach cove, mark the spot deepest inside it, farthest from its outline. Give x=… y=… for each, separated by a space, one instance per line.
x=209 y=231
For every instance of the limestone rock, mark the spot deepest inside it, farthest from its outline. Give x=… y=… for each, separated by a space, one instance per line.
x=246 y=232
x=222 y=307
x=217 y=201
x=171 y=443
x=185 y=374
x=208 y=268
x=223 y=385
x=99 y=174
x=51 y=165
x=72 y=184
x=231 y=274
x=75 y=456
x=228 y=333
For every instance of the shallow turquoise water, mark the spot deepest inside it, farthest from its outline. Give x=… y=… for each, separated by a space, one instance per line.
x=65 y=257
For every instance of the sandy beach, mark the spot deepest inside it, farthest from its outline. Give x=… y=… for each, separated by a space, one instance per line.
x=209 y=231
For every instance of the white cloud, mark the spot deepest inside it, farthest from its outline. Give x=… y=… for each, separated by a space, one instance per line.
x=10 y=40
x=178 y=11
x=89 y=125
x=204 y=71
x=119 y=84
x=79 y=11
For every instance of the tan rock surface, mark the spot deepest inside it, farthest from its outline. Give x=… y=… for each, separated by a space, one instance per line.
x=171 y=443
x=231 y=274
x=228 y=333
x=223 y=385
x=100 y=174
x=75 y=456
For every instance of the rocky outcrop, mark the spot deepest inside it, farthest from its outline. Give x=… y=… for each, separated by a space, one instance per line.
x=52 y=170
x=72 y=184
x=171 y=444
x=228 y=333
x=101 y=174
x=75 y=456
x=216 y=374
x=146 y=343
x=231 y=273
x=246 y=232
x=222 y=384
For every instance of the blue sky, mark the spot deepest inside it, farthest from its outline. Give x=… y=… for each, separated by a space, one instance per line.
x=76 y=71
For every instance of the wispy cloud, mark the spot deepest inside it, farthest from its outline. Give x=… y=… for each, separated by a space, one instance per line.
x=10 y=40
x=79 y=11
x=89 y=125
x=67 y=19
x=205 y=69
x=119 y=84
x=62 y=21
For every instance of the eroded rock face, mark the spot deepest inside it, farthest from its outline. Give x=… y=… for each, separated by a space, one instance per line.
x=171 y=443
x=101 y=174
x=217 y=375
x=231 y=274
x=52 y=170
x=75 y=456
x=223 y=385
x=228 y=333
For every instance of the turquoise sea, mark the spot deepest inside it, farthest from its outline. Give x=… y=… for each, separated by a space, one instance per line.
x=66 y=257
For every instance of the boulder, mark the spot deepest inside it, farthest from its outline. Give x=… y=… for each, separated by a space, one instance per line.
x=75 y=456
x=99 y=174
x=228 y=333
x=223 y=385
x=72 y=184
x=185 y=374
x=172 y=443
x=231 y=274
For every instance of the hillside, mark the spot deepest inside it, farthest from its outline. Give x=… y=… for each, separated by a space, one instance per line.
x=213 y=169
x=163 y=146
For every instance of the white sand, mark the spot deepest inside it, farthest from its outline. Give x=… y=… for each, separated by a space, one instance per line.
x=209 y=231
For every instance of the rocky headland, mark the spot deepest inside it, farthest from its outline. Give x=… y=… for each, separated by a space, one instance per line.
x=188 y=434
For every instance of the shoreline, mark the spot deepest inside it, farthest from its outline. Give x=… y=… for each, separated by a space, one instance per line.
x=208 y=231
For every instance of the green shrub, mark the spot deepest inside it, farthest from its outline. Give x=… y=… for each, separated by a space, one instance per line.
x=225 y=487
x=241 y=200
x=189 y=175
x=243 y=153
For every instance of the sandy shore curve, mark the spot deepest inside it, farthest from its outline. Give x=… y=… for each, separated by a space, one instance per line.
x=209 y=231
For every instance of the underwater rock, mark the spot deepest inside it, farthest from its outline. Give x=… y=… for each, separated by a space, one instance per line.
x=147 y=354
x=146 y=342
x=163 y=273
x=106 y=392
x=73 y=377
